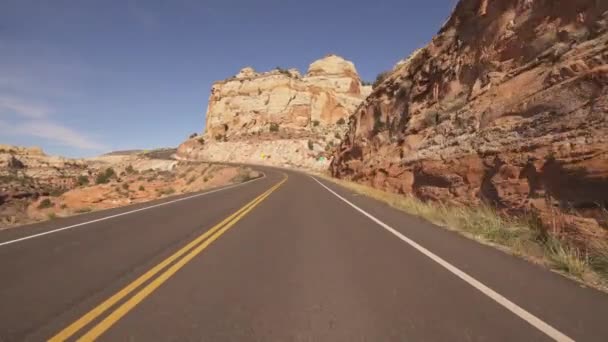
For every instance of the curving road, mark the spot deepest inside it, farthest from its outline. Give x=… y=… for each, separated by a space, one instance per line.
x=282 y=258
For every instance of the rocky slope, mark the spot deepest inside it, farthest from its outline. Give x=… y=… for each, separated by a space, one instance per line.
x=35 y=186
x=133 y=186
x=279 y=117
x=508 y=105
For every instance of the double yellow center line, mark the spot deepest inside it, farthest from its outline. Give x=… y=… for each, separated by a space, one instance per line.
x=190 y=251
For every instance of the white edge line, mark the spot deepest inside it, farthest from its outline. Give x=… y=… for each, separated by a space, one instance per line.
x=514 y=308
x=127 y=212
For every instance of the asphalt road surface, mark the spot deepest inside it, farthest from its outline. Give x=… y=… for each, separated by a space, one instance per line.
x=282 y=258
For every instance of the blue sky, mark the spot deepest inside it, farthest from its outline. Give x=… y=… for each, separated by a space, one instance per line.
x=80 y=78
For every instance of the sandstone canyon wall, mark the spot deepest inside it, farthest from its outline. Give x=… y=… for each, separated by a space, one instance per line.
x=508 y=105
x=279 y=117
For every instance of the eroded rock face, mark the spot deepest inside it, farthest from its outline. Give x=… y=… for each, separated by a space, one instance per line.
x=279 y=107
x=507 y=105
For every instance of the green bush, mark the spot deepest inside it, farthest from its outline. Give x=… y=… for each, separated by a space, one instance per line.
x=45 y=203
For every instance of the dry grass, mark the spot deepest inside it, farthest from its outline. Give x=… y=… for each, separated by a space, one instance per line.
x=520 y=236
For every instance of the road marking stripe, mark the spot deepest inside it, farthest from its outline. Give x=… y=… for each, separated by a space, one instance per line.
x=104 y=306
x=514 y=308
x=127 y=306
x=126 y=213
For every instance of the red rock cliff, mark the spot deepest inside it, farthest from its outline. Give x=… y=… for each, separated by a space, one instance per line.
x=507 y=105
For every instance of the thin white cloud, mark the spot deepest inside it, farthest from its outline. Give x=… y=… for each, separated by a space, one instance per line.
x=34 y=75
x=17 y=106
x=52 y=132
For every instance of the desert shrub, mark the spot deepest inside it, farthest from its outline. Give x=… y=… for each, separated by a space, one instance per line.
x=63 y=206
x=220 y=137
x=110 y=172
x=191 y=180
x=341 y=121
x=51 y=216
x=205 y=179
x=337 y=136
x=166 y=191
x=141 y=188
x=201 y=140
x=380 y=78
x=45 y=203
x=83 y=210
x=14 y=163
x=106 y=176
x=274 y=127
x=56 y=192
x=315 y=123
x=283 y=71
x=311 y=145
x=130 y=170
x=82 y=180
x=125 y=186
x=193 y=135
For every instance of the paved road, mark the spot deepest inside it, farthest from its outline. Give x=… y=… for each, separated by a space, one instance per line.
x=282 y=258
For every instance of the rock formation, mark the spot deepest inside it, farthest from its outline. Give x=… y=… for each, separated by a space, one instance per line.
x=35 y=186
x=508 y=105
x=279 y=117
